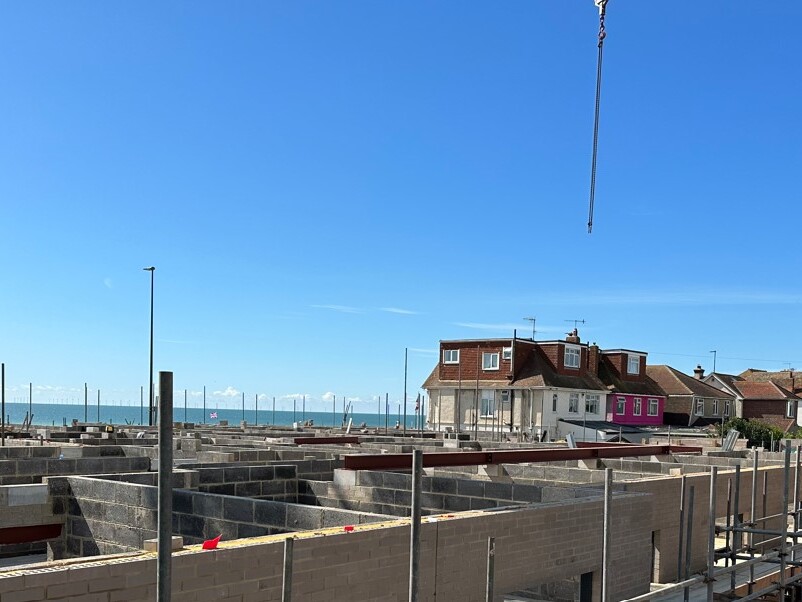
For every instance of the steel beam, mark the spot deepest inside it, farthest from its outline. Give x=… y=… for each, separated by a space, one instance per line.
x=402 y=461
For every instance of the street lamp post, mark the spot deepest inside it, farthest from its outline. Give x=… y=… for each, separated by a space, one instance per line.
x=151 y=269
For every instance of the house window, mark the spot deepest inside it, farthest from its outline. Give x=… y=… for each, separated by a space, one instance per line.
x=572 y=357
x=622 y=406
x=727 y=408
x=451 y=356
x=715 y=407
x=488 y=407
x=654 y=407
x=573 y=403
x=505 y=396
x=699 y=406
x=554 y=403
x=490 y=361
x=592 y=404
x=790 y=409
x=506 y=353
x=637 y=407
x=633 y=364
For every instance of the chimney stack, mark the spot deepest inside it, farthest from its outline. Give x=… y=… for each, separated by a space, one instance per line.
x=573 y=336
x=593 y=359
x=699 y=372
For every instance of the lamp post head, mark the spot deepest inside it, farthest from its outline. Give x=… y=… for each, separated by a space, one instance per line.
x=150 y=269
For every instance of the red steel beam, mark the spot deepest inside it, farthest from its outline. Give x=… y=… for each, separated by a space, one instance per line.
x=325 y=440
x=30 y=534
x=401 y=461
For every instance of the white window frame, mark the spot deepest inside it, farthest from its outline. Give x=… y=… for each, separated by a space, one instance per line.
x=790 y=409
x=637 y=407
x=727 y=407
x=573 y=403
x=505 y=396
x=697 y=402
x=487 y=408
x=449 y=356
x=506 y=353
x=715 y=407
x=591 y=401
x=572 y=352
x=630 y=359
x=621 y=406
x=653 y=401
x=491 y=355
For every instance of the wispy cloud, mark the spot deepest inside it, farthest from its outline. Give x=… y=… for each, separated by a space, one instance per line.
x=298 y=396
x=328 y=396
x=174 y=342
x=423 y=351
x=398 y=310
x=228 y=392
x=674 y=297
x=108 y=283
x=346 y=309
x=505 y=326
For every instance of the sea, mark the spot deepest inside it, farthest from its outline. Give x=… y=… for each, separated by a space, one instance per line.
x=54 y=414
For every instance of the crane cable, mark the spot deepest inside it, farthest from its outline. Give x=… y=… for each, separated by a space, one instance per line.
x=602 y=4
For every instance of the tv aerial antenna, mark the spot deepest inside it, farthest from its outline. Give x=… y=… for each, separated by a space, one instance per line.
x=533 y=320
x=576 y=322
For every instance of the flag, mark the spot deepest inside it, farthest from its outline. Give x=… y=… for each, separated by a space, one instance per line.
x=417 y=403
x=211 y=544
x=213 y=415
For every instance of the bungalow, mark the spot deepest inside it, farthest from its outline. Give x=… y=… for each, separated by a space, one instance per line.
x=689 y=401
x=764 y=401
x=634 y=398
x=515 y=385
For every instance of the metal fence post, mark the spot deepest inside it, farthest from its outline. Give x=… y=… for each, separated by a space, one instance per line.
x=165 y=516
x=414 y=539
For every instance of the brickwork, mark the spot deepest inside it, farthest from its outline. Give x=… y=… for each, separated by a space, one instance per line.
x=536 y=545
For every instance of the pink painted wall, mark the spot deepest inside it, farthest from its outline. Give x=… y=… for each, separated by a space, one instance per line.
x=629 y=416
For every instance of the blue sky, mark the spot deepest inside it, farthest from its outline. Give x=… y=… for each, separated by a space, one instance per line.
x=322 y=184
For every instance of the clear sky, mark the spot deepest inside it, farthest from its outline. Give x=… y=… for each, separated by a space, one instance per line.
x=322 y=184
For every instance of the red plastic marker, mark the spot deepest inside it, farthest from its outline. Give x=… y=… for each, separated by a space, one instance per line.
x=348 y=528
x=211 y=544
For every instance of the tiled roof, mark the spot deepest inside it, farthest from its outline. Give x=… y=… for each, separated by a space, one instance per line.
x=674 y=382
x=536 y=372
x=764 y=390
x=612 y=380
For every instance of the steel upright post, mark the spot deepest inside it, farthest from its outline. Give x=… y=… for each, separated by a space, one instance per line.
x=688 y=540
x=491 y=568
x=784 y=516
x=607 y=533
x=414 y=539
x=185 y=405
x=30 y=403
x=274 y=410
x=204 y=404
x=98 y=405
x=711 y=533
x=256 y=409
x=683 y=484
x=753 y=505
x=86 y=403
x=165 y=515
x=286 y=586
x=737 y=536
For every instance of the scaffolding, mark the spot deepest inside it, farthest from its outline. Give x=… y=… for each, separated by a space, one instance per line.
x=741 y=552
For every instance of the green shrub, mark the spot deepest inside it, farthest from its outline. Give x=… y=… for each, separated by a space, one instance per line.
x=756 y=433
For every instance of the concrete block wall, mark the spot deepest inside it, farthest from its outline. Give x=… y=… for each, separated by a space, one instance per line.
x=664 y=513
x=198 y=516
x=31 y=469
x=390 y=493
x=276 y=482
x=25 y=506
x=372 y=565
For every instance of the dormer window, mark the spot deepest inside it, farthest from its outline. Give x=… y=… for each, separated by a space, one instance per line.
x=490 y=361
x=451 y=356
x=506 y=353
x=571 y=359
x=633 y=364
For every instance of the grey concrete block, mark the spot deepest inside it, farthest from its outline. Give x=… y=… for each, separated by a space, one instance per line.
x=443 y=485
x=238 y=510
x=470 y=488
x=395 y=480
x=182 y=501
x=211 y=475
x=234 y=475
x=249 y=530
x=481 y=503
x=248 y=489
x=207 y=505
x=501 y=491
x=270 y=513
x=261 y=473
x=191 y=525
x=454 y=503
x=285 y=472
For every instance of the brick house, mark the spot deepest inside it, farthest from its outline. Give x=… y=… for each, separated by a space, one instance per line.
x=515 y=385
x=689 y=400
x=634 y=398
x=765 y=401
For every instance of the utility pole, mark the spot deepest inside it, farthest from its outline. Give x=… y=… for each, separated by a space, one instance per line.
x=714 y=359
